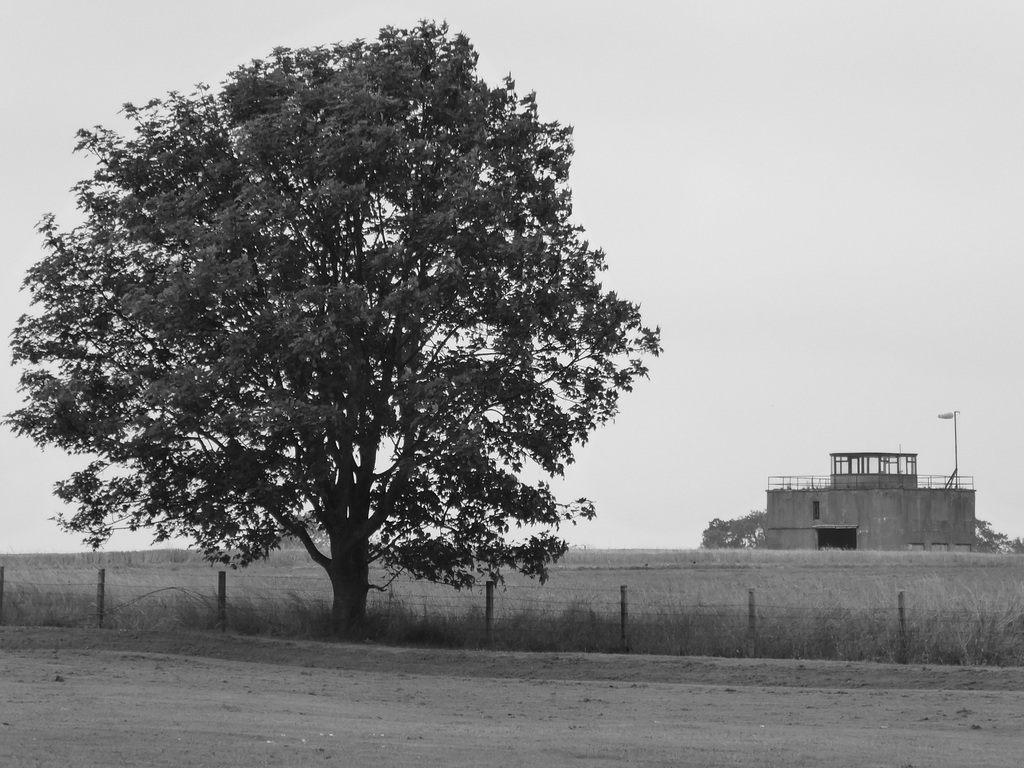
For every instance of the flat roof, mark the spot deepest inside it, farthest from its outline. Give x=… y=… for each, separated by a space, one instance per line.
x=871 y=453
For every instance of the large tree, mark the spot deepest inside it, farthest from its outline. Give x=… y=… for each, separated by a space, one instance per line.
x=338 y=299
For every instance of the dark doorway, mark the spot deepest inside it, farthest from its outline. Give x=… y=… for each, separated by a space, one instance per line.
x=837 y=538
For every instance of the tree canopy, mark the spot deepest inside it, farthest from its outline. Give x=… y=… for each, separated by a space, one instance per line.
x=745 y=532
x=986 y=539
x=340 y=299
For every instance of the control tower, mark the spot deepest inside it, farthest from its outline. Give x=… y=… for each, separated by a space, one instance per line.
x=871 y=501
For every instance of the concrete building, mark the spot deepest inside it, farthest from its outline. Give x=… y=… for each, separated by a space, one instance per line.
x=871 y=501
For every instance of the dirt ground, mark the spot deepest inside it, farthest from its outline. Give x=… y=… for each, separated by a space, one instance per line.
x=82 y=698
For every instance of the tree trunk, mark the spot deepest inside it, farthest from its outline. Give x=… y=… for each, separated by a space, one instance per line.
x=349 y=574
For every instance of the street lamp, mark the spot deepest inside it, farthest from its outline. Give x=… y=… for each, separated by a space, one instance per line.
x=956 y=460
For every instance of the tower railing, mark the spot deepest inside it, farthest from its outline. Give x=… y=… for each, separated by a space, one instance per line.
x=824 y=482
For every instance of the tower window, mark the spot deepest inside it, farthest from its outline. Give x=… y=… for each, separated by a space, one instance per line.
x=817 y=510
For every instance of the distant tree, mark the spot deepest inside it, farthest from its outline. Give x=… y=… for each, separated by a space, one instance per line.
x=988 y=540
x=745 y=532
x=341 y=300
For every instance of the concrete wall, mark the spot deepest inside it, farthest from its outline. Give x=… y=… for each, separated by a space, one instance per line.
x=889 y=518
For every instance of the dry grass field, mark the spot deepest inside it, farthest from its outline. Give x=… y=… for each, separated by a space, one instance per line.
x=959 y=608
x=160 y=685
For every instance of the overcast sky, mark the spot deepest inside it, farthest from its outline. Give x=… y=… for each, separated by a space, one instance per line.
x=820 y=203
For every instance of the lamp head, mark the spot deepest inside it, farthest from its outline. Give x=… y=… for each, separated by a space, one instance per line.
x=951 y=415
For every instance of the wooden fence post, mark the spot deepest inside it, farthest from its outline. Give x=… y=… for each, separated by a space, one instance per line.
x=751 y=623
x=489 y=611
x=1 y=594
x=100 y=594
x=222 y=600
x=901 y=609
x=623 y=617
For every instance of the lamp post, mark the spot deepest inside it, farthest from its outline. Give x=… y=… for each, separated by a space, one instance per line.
x=956 y=459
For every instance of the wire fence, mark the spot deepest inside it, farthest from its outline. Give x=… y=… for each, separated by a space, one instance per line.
x=527 y=617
